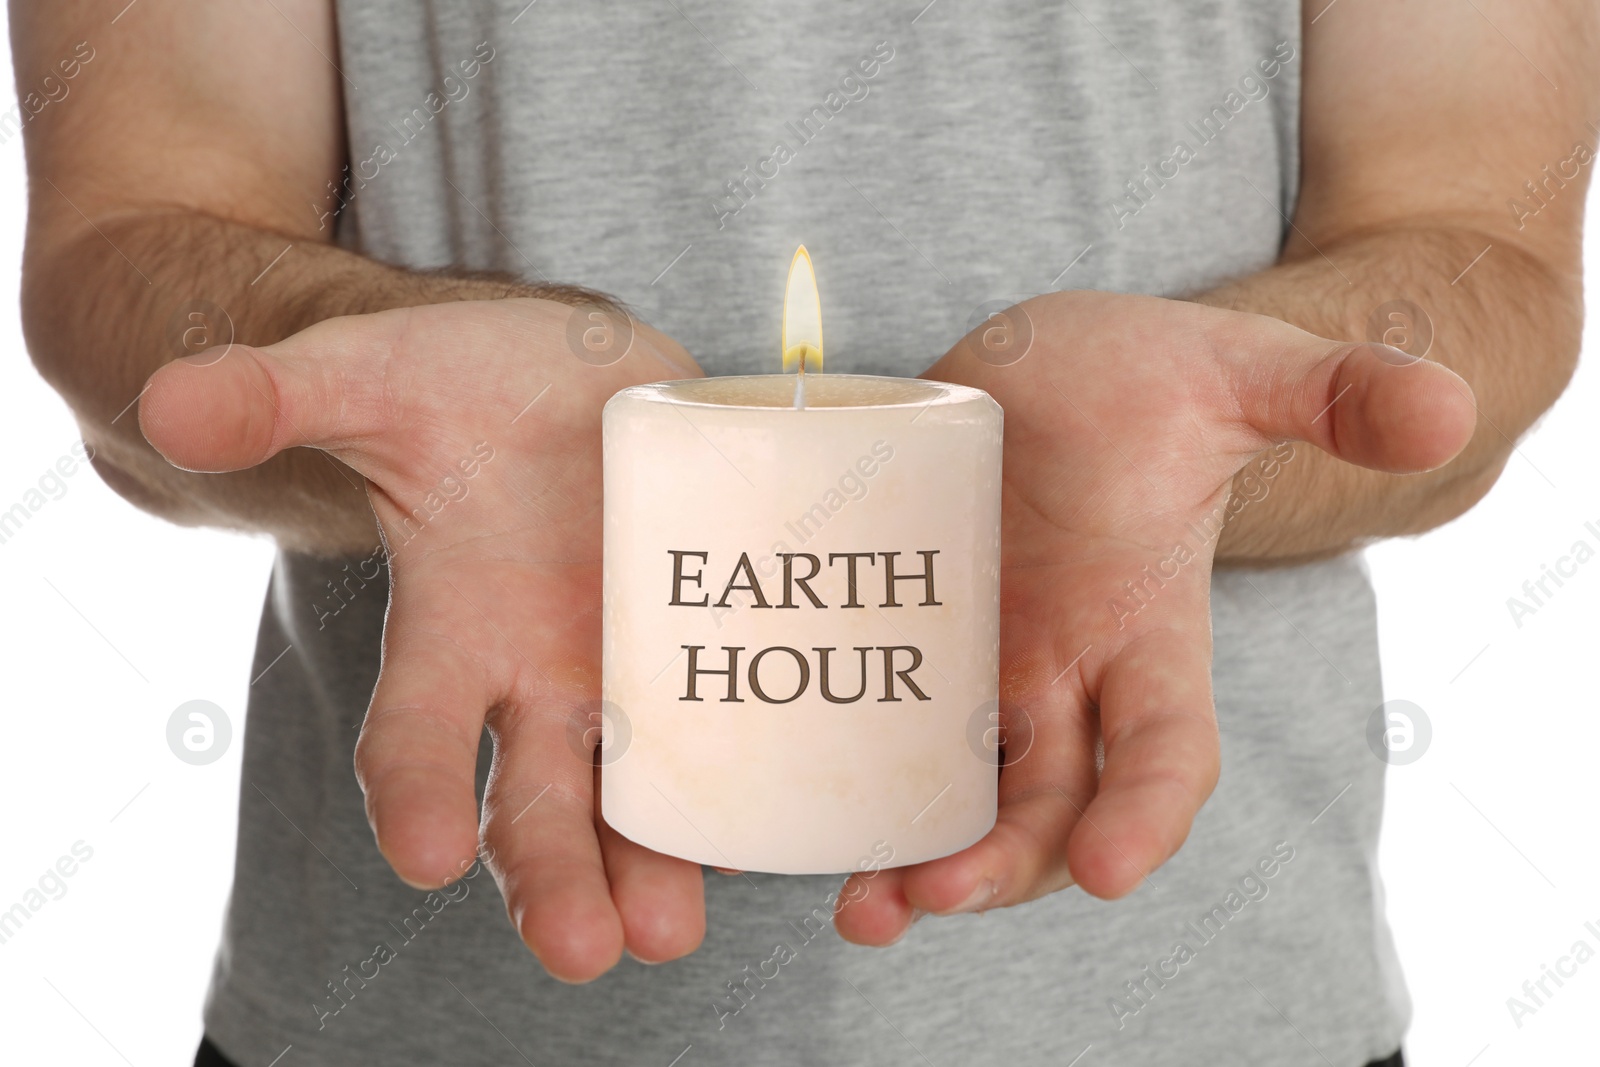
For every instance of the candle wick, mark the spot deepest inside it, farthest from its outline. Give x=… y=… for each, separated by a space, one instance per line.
x=800 y=386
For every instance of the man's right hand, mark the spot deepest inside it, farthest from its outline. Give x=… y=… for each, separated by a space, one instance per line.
x=495 y=603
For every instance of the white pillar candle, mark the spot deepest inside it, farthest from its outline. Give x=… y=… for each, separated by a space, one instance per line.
x=761 y=713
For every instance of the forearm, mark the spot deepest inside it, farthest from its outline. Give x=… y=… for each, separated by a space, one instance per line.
x=98 y=325
x=1510 y=326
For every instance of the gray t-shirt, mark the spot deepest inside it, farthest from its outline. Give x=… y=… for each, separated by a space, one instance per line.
x=675 y=153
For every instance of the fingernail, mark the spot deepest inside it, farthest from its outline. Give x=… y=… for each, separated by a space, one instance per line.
x=916 y=913
x=206 y=358
x=1399 y=357
x=984 y=893
x=636 y=959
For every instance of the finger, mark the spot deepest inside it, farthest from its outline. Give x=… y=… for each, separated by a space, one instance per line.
x=872 y=908
x=661 y=899
x=1047 y=781
x=539 y=822
x=675 y=360
x=1368 y=404
x=416 y=758
x=1162 y=757
x=1021 y=859
x=237 y=406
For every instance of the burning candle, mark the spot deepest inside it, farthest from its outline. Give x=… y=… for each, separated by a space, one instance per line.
x=801 y=621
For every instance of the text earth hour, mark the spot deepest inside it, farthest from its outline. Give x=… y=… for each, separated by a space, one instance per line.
x=844 y=579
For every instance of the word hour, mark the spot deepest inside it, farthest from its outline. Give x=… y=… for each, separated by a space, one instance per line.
x=845 y=580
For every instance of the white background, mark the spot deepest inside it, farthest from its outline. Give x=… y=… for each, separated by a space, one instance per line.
x=111 y=619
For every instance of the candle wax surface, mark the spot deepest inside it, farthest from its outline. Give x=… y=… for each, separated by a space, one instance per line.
x=823 y=391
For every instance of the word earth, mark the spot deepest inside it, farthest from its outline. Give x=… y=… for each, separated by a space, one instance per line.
x=743 y=579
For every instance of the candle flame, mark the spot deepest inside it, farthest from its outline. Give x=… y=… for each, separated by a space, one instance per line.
x=802 y=317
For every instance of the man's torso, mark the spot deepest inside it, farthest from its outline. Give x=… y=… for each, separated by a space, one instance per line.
x=674 y=154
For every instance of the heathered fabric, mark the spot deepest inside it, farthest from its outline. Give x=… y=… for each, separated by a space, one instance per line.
x=986 y=158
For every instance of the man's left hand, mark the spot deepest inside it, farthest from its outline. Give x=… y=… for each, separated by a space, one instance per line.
x=1127 y=420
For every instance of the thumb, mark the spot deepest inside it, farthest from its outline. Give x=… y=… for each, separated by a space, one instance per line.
x=237 y=406
x=1368 y=404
